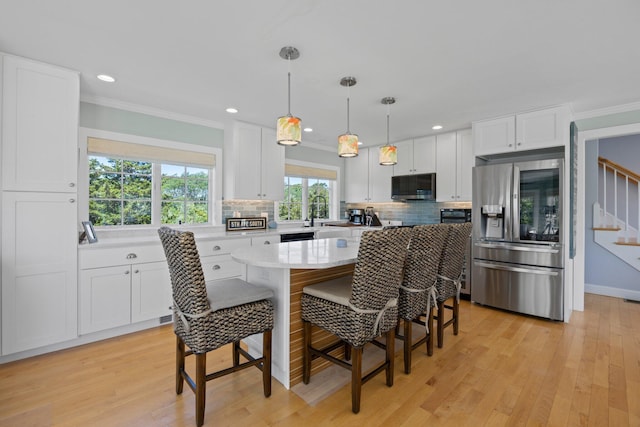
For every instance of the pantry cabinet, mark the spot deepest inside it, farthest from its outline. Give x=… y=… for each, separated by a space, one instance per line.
x=39 y=117
x=525 y=131
x=254 y=164
x=454 y=157
x=416 y=156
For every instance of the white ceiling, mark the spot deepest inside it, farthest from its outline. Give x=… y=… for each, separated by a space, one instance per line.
x=447 y=62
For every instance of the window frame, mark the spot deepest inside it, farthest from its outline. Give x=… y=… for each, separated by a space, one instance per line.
x=335 y=193
x=215 y=177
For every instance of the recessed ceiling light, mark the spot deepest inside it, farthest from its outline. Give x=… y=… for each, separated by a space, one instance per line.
x=307 y=130
x=437 y=127
x=231 y=110
x=106 y=78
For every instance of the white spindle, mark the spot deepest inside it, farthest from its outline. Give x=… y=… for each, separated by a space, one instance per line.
x=604 y=195
x=615 y=198
x=626 y=203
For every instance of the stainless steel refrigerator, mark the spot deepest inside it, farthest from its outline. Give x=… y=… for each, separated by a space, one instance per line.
x=517 y=250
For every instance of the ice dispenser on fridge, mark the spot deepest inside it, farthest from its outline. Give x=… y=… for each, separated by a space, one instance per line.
x=492 y=221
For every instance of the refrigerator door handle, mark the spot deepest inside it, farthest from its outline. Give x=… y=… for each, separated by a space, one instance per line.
x=519 y=248
x=515 y=269
x=515 y=218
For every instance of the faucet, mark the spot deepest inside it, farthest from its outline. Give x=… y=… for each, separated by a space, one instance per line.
x=313 y=204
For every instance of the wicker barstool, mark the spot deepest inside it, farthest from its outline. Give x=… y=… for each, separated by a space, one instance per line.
x=360 y=308
x=207 y=316
x=418 y=292
x=449 y=277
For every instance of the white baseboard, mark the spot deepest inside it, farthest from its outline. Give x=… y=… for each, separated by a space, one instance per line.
x=612 y=292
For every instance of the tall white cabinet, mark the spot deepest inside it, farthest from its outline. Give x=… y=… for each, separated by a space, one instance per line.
x=39 y=210
x=454 y=159
x=254 y=164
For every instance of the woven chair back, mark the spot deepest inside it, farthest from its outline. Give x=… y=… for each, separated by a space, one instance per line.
x=452 y=260
x=187 y=277
x=423 y=257
x=379 y=267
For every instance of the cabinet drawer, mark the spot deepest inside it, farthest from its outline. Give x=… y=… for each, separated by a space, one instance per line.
x=221 y=267
x=265 y=240
x=219 y=247
x=102 y=257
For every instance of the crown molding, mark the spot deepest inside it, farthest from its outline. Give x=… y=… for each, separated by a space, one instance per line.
x=156 y=112
x=616 y=109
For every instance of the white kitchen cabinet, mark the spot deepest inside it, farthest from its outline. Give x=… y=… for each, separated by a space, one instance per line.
x=39 y=269
x=416 y=156
x=525 y=131
x=122 y=285
x=366 y=179
x=254 y=164
x=39 y=126
x=454 y=158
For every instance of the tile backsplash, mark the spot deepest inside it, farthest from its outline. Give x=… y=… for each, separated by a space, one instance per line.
x=410 y=213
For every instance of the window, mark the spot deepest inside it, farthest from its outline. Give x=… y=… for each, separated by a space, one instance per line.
x=142 y=184
x=309 y=192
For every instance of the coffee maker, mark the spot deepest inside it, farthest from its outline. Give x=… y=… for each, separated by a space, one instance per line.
x=356 y=216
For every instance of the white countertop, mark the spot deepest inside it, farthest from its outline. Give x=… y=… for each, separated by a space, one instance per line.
x=306 y=254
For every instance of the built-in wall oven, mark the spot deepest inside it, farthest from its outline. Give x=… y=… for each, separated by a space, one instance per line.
x=455 y=216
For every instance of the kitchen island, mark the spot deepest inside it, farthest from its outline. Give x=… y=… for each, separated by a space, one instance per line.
x=287 y=268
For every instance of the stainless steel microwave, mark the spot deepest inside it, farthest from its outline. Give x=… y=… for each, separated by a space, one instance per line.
x=414 y=187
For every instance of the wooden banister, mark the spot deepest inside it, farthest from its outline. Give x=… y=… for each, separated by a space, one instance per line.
x=613 y=165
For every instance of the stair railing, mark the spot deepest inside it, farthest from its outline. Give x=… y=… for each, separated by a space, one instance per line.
x=631 y=183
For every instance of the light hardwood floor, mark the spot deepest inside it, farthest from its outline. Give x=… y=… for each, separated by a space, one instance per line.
x=502 y=369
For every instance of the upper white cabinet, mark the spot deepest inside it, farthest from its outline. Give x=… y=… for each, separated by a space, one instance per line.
x=526 y=131
x=454 y=158
x=416 y=156
x=366 y=179
x=254 y=164
x=39 y=126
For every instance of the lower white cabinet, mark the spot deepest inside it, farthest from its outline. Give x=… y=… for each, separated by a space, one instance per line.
x=105 y=298
x=39 y=270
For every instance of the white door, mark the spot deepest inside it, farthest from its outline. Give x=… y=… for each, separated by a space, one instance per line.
x=465 y=165
x=39 y=127
x=405 y=158
x=272 y=166
x=541 y=129
x=424 y=154
x=446 y=163
x=494 y=136
x=39 y=270
x=379 y=178
x=357 y=177
x=248 y=158
x=105 y=298
x=150 y=291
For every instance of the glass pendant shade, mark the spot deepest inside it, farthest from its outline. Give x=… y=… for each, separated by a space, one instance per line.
x=388 y=155
x=348 y=145
x=289 y=130
x=289 y=127
x=388 y=152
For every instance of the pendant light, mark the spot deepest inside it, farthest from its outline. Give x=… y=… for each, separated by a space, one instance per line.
x=348 y=142
x=288 y=127
x=388 y=153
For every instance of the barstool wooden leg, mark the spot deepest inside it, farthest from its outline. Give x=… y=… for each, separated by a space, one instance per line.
x=306 y=356
x=236 y=353
x=407 y=346
x=429 y=321
x=179 y=365
x=390 y=356
x=356 y=378
x=440 y=323
x=456 y=310
x=347 y=351
x=201 y=387
x=266 y=363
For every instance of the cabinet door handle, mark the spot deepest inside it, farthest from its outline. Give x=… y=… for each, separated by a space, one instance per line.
x=72 y=200
x=72 y=184
x=519 y=143
x=136 y=271
x=216 y=267
x=127 y=272
x=266 y=242
x=216 y=248
x=132 y=256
